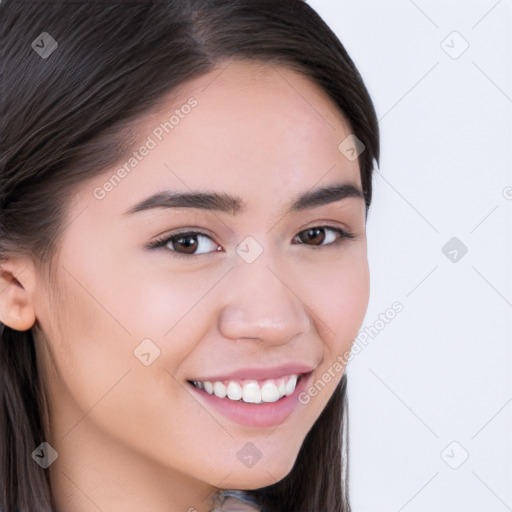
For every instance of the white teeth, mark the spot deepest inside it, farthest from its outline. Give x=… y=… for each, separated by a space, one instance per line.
x=270 y=393
x=251 y=391
x=290 y=385
x=220 y=390
x=234 y=391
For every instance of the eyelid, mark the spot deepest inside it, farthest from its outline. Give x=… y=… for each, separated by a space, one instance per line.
x=161 y=242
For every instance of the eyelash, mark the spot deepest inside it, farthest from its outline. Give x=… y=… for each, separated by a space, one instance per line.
x=162 y=242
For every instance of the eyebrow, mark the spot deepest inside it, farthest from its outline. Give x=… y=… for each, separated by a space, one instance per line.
x=223 y=202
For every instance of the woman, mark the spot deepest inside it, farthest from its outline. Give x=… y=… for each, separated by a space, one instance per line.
x=184 y=191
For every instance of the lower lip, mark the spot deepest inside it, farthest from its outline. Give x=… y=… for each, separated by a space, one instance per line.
x=256 y=415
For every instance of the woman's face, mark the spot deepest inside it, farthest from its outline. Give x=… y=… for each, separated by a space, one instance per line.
x=250 y=290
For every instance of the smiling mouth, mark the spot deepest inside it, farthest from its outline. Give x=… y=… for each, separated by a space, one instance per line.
x=251 y=391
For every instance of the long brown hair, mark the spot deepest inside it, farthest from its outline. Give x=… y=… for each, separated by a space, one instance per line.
x=65 y=118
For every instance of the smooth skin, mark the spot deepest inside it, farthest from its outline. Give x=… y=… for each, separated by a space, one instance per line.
x=132 y=437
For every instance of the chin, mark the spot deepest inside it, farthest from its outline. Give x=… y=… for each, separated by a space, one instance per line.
x=257 y=477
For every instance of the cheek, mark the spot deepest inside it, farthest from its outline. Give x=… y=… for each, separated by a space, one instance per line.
x=170 y=307
x=339 y=299
x=92 y=345
x=101 y=378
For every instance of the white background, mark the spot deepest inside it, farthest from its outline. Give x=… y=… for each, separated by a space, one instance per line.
x=441 y=370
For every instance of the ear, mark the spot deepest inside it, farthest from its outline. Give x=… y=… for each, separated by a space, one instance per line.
x=17 y=280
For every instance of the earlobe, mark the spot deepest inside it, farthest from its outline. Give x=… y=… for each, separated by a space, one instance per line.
x=16 y=308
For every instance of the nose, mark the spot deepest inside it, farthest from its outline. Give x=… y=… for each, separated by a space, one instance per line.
x=262 y=302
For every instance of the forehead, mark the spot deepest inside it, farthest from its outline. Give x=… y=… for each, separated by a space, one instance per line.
x=259 y=131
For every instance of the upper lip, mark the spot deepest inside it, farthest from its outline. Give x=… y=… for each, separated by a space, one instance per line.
x=260 y=373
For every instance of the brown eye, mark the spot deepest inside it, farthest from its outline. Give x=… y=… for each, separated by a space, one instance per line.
x=184 y=242
x=315 y=235
x=183 y=245
x=319 y=234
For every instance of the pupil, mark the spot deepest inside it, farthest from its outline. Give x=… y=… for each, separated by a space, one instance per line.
x=313 y=232
x=188 y=245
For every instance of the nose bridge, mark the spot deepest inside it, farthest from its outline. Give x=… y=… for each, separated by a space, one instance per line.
x=261 y=302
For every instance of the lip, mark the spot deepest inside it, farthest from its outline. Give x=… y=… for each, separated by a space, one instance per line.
x=256 y=415
x=259 y=373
